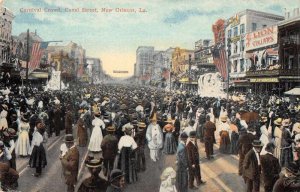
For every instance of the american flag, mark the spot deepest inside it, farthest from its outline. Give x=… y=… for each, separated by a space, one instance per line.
x=165 y=73
x=220 y=59
x=37 y=52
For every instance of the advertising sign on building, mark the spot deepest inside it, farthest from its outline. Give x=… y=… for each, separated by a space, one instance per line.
x=261 y=38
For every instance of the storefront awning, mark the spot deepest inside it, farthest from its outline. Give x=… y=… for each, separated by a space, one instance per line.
x=38 y=75
x=264 y=80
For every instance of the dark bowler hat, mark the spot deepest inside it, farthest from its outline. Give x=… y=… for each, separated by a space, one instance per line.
x=111 y=128
x=193 y=134
x=257 y=143
x=183 y=135
x=293 y=168
x=115 y=174
x=69 y=138
x=94 y=163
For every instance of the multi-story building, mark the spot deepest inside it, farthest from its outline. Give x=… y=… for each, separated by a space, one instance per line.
x=75 y=52
x=144 y=62
x=6 y=18
x=95 y=69
x=281 y=73
x=180 y=60
x=235 y=31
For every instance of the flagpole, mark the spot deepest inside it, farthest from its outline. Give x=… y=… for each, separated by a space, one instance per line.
x=27 y=59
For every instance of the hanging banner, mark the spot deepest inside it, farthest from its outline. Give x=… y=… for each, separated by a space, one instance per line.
x=261 y=38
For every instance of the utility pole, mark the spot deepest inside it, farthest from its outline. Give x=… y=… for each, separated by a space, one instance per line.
x=228 y=66
x=190 y=62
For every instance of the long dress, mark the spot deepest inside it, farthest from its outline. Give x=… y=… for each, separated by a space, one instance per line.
x=170 y=143
x=81 y=133
x=38 y=155
x=96 y=137
x=22 y=145
x=277 y=142
x=224 y=138
x=234 y=139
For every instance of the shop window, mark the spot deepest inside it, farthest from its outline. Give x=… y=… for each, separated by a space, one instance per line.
x=242 y=28
x=254 y=26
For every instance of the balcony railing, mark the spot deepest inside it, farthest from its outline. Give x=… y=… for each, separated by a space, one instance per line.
x=275 y=72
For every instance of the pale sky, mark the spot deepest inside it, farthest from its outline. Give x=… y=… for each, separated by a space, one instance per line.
x=114 y=37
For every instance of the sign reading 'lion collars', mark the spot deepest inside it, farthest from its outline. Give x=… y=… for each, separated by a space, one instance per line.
x=261 y=38
x=116 y=71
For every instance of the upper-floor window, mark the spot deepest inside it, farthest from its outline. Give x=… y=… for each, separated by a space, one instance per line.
x=235 y=31
x=254 y=26
x=242 y=45
x=264 y=26
x=242 y=28
x=229 y=33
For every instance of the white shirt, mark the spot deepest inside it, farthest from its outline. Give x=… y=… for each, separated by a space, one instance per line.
x=257 y=156
x=127 y=141
x=63 y=149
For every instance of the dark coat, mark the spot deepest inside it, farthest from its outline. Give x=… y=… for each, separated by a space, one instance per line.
x=209 y=130
x=68 y=122
x=250 y=166
x=93 y=185
x=245 y=143
x=182 y=168
x=81 y=133
x=109 y=147
x=270 y=169
x=287 y=184
x=193 y=154
x=70 y=165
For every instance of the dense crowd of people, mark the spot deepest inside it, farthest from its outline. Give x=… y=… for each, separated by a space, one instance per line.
x=118 y=124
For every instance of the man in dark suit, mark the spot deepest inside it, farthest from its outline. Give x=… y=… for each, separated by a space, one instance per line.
x=252 y=167
x=70 y=163
x=245 y=144
x=209 y=132
x=194 y=161
x=182 y=165
x=270 y=167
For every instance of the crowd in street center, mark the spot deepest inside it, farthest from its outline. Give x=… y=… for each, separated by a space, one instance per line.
x=118 y=124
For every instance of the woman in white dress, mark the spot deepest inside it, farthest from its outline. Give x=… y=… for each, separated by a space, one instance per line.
x=278 y=136
x=22 y=144
x=3 y=115
x=96 y=137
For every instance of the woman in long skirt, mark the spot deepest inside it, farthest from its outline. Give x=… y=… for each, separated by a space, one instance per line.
x=224 y=136
x=38 y=159
x=22 y=144
x=81 y=131
x=96 y=136
x=170 y=143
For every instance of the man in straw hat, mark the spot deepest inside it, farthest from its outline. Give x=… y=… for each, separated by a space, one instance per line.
x=70 y=163
x=155 y=138
x=277 y=137
x=252 y=167
x=109 y=148
x=182 y=164
x=94 y=183
x=140 y=140
x=117 y=181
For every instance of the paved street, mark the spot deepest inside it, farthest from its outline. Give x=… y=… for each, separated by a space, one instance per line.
x=219 y=173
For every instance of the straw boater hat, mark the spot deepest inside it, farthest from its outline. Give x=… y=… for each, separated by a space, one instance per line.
x=94 y=163
x=224 y=118
x=141 y=126
x=278 y=122
x=257 y=143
